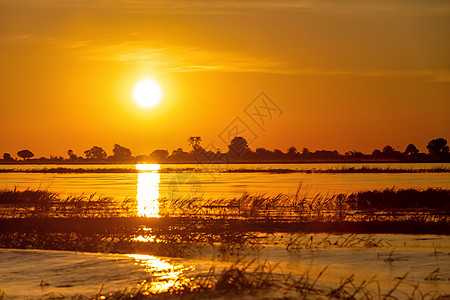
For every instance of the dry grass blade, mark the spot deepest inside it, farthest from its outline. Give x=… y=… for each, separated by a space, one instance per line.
x=389 y=294
x=434 y=275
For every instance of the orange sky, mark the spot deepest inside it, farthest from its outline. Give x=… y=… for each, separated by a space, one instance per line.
x=346 y=74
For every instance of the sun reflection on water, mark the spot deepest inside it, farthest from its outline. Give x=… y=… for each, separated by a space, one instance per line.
x=164 y=275
x=148 y=190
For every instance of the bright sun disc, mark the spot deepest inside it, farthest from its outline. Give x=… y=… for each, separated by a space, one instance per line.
x=147 y=93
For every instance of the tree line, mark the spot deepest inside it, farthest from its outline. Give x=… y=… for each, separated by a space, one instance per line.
x=239 y=151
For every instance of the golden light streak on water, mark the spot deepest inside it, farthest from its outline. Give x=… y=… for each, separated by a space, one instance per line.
x=148 y=167
x=165 y=274
x=148 y=190
x=142 y=238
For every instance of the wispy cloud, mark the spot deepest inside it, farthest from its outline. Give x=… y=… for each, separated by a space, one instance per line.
x=385 y=7
x=423 y=75
x=176 y=58
x=173 y=58
x=22 y=39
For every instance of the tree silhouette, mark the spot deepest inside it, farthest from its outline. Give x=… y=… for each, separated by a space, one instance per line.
x=194 y=142
x=72 y=156
x=376 y=154
x=387 y=150
x=437 y=147
x=95 y=153
x=325 y=154
x=239 y=151
x=160 y=155
x=179 y=155
x=198 y=153
x=411 y=150
x=121 y=153
x=278 y=154
x=238 y=145
x=262 y=154
x=291 y=151
x=25 y=154
x=390 y=153
x=354 y=154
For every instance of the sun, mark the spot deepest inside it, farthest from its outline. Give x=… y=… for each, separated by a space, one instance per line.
x=147 y=93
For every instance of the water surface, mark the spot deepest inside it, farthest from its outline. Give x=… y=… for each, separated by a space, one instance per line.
x=214 y=184
x=69 y=273
x=148 y=184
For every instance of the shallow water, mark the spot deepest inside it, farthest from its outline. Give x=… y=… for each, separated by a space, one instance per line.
x=214 y=185
x=37 y=273
x=70 y=273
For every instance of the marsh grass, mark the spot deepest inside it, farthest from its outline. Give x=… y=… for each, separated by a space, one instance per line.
x=302 y=241
x=388 y=205
x=340 y=170
x=64 y=170
x=42 y=203
x=435 y=275
x=41 y=219
x=253 y=280
x=248 y=278
x=175 y=244
x=431 y=205
x=169 y=244
x=390 y=258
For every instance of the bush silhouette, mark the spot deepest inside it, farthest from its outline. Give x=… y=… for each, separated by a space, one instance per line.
x=7 y=157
